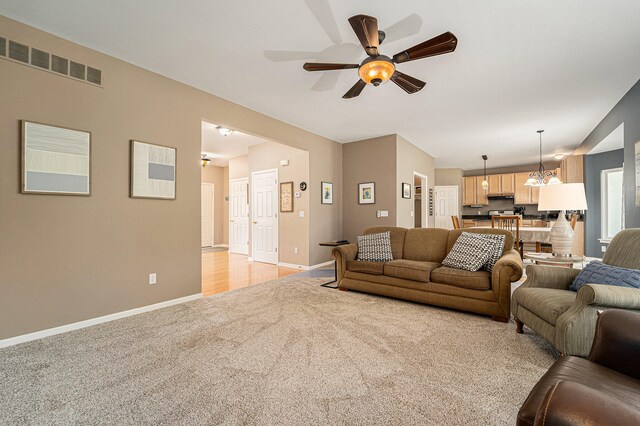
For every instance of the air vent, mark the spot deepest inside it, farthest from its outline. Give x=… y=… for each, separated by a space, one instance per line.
x=94 y=75
x=77 y=70
x=48 y=61
x=40 y=58
x=19 y=52
x=59 y=64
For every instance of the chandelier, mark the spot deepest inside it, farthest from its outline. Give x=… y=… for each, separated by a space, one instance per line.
x=542 y=177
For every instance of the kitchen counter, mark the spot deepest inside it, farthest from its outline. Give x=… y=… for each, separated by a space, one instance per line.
x=550 y=216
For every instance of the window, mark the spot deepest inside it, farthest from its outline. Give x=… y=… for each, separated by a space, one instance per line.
x=611 y=187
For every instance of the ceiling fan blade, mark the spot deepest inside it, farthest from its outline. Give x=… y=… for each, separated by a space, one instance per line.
x=403 y=28
x=366 y=28
x=355 y=90
x=313 y=66
x=444 y=43
x=407 y=83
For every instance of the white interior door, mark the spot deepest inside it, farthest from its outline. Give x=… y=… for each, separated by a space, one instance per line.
x=264 y=206
x=446 y=205
x=239 y=216
x=206 y=203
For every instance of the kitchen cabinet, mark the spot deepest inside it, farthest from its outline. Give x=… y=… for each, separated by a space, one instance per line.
x=473 y=194
x=501 y=184
x=508 y=183
x=572 y=169
x=522 y=193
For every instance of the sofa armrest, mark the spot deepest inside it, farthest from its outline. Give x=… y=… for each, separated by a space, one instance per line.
x=511 y=262
x=609 y=296
x=616 y=344
x=550 y=277
x=341 y=255
x=569 y=403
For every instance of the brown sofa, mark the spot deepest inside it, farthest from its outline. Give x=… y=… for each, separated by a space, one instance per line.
x=604 y=389
x=416 y=273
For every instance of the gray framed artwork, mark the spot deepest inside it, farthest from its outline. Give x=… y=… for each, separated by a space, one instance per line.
x=55 y=160
x=153 y=171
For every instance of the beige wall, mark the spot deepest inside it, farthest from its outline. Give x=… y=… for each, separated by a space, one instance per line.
x=239 y=167
x=451 y=177
x=410 y=159
x=68 y=259
x=370 y=160
x=293 y=229
x=218 y=176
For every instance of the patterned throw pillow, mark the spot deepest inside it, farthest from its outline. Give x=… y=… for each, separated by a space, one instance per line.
x=497 y=251
x=470 y=252
x=375 y=247
x=597 y=272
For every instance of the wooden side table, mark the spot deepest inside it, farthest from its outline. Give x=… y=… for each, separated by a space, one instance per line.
x=550 y=259
x=335 y=264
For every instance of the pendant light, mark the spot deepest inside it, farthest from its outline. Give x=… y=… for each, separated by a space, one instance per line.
x=538 y=177
x=485 y=184
x=205 y=161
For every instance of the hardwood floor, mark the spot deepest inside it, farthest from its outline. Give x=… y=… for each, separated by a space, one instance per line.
x=224 y=271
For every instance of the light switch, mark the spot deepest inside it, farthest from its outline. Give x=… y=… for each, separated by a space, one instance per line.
x=301 y=213
x=411 y=213
x=384 y=213
x=297 y=195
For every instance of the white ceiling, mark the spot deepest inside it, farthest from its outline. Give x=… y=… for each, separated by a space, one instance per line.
x=219 y=149
x=613 y=141
x=520 y=66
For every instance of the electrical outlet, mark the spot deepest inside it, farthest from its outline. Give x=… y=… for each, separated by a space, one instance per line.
x=604 y=248
x=152 y=278
x=295 y=250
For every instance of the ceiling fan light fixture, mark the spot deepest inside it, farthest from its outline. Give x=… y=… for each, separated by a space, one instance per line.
x=205 y=161
x=224 y=131
x=376 y=70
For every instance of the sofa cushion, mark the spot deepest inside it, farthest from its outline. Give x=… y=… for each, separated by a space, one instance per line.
x=470 y=252
x=410 y=269
x=597 y=272
x=454 y=234
x=375 y=247
x=547 y=303
x=478 y=280
x=374 y=268
x=496 y=253
x=426 y=244
x=397 y=237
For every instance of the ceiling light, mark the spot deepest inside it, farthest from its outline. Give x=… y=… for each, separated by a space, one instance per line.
x=559 y=157
x=485 y=184
x=224 y=131
x=376 y=70
x=539 y=177
x=205 y=161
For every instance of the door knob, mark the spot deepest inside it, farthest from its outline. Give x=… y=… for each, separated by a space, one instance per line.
x=255 y=222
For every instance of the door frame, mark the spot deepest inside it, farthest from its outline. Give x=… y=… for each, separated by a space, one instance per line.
x=457 y=189
x=424 y=199
x=213 y=214
x=231 y=181
x=277 y=206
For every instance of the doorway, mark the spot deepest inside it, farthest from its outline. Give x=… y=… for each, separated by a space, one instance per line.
x=207 y=214
x=446 y=205
x=264 y=229
x=420 y=200
x=239 y=216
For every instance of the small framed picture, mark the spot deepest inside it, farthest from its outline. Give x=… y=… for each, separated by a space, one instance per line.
x=152 y=171
x=55 y=160
x=286 y=197
x=367 y=193
x=406 y=190
x=327 y=192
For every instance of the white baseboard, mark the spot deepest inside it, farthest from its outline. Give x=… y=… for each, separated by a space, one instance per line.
x=304 y=267
x=320 y=265
x=221 y=245
x=250 y=259
x=99 y=320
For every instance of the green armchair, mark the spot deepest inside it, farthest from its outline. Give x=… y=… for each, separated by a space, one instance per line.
x=567 y=319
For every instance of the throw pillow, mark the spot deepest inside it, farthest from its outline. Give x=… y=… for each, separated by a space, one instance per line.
x=375 y=247
x=597 y=272
x=496 y=253
x=470 y=252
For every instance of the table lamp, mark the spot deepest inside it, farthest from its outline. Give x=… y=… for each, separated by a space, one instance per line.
x=562 y=197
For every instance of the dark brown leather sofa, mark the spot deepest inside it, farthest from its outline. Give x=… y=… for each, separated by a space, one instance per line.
x=601 y=390
x=416 y=272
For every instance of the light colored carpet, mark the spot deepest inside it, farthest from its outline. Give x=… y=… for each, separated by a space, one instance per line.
x=283 y=352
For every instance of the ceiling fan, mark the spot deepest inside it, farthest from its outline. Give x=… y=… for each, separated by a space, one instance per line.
x=378 y=68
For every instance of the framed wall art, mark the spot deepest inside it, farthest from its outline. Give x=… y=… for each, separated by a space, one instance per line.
x=153 y=171
x=286 y=197
x=327 y=192
x=367 y=193
x=637 y=160
x=55 y=160
x=406 y=190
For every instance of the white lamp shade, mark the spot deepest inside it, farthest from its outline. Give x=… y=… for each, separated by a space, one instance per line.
x=565 y=196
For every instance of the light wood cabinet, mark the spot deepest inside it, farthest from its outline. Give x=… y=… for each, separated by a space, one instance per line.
x=522 y=193
x=572 y=169
x=508 y=183
x=473 y=194
x=495 y=185
x=501 y=184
